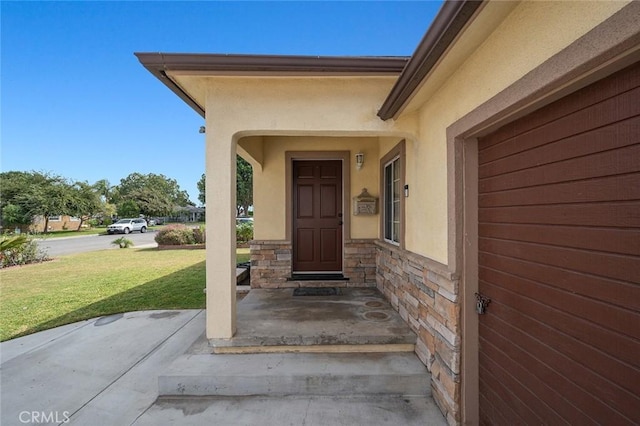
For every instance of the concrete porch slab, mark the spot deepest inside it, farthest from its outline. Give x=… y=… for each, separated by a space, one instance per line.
x=357 y=320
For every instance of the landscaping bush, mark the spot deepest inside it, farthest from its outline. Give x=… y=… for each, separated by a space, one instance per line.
x=244 y=232
x=175 y=235
x=20 y=250
x=199 y=235
x=122 y=242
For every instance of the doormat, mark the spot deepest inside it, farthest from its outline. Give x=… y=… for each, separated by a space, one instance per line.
x=316 y=291
x=317 y=277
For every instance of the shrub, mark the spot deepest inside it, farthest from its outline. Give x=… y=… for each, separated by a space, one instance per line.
x=122 y=242
x=199 y=235
x=175 y=235
x=244 y=232
x=20 y=250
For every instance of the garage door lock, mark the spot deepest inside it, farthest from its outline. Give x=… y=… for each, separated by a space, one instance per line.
x=482 y=303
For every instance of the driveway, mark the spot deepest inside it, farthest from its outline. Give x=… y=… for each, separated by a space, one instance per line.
x=71 y=245
x=102 y=371
x=105 y=371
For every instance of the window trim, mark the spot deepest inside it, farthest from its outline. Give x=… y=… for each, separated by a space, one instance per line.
x=397 y=152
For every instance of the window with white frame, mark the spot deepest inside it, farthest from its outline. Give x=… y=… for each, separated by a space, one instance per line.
x=392 y=195
x=392 y=200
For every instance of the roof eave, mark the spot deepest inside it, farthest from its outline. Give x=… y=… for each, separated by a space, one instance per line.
x=159 y=64
x=450 y=21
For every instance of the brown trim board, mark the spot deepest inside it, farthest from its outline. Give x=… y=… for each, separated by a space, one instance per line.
x=451 y=19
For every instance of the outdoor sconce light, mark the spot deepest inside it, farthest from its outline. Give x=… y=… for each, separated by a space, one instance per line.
x=359 y=160
x=202 y=129
x=406 y=191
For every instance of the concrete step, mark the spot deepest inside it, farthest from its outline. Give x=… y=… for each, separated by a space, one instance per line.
x=379 y=410
x=282 y=374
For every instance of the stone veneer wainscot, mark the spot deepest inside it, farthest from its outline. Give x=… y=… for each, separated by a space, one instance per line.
x=271 y=264
x=425 y=294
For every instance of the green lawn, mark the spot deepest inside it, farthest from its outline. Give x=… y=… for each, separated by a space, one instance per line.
x=78 y=287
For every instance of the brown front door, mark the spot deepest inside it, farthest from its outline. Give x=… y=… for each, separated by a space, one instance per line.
x=559 y=256
x=317 y=216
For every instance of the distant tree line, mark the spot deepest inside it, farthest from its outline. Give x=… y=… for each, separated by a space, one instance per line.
x=244 y=186
x=26 y=196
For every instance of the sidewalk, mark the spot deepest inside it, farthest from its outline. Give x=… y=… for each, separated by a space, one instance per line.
x=105 y=372
x=96 y=372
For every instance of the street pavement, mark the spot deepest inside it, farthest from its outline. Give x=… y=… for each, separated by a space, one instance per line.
x=71 y=245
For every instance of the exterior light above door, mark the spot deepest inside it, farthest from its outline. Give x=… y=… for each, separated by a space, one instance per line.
x=359 y=160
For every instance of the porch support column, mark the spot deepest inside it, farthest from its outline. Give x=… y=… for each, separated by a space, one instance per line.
x=221 y=234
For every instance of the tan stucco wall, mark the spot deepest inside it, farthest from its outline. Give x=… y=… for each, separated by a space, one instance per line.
x=270 y=182
x=290 y=105
x=519 y=38
x=267 y=116
x=528 y=36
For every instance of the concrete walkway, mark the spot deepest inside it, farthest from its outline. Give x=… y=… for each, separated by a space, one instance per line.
x=96 y=372
x=105 y=372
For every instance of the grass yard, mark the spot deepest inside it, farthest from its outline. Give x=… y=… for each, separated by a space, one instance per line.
x=78 y=287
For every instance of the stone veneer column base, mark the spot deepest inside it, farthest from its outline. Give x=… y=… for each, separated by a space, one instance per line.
x=271 y=263
x=426 y=296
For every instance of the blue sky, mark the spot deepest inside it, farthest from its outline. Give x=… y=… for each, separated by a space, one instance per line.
x=76 y=102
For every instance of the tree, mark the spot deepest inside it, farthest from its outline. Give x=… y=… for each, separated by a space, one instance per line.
x=27 y=195
x=202 y=185
x=128 y=208
x=13 y=184
x=244 y=186
x=154 y=195
x=47 y=195
x=86 y=201
x=14 y=216
x=103 y=188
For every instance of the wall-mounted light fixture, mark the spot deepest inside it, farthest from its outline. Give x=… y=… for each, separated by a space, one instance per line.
x=202 y=129
x=359 y=160
x=406 y=190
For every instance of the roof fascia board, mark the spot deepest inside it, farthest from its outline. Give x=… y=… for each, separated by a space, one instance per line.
x=450 y=21
x=161 y=75
x=274 y=63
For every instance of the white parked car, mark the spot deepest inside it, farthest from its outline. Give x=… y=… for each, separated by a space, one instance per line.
x=125 y=226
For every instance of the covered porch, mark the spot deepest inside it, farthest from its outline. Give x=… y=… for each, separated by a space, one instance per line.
x=315 y=319
x=333 y=356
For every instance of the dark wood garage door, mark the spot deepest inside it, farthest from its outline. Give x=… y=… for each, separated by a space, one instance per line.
x=559 y=257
